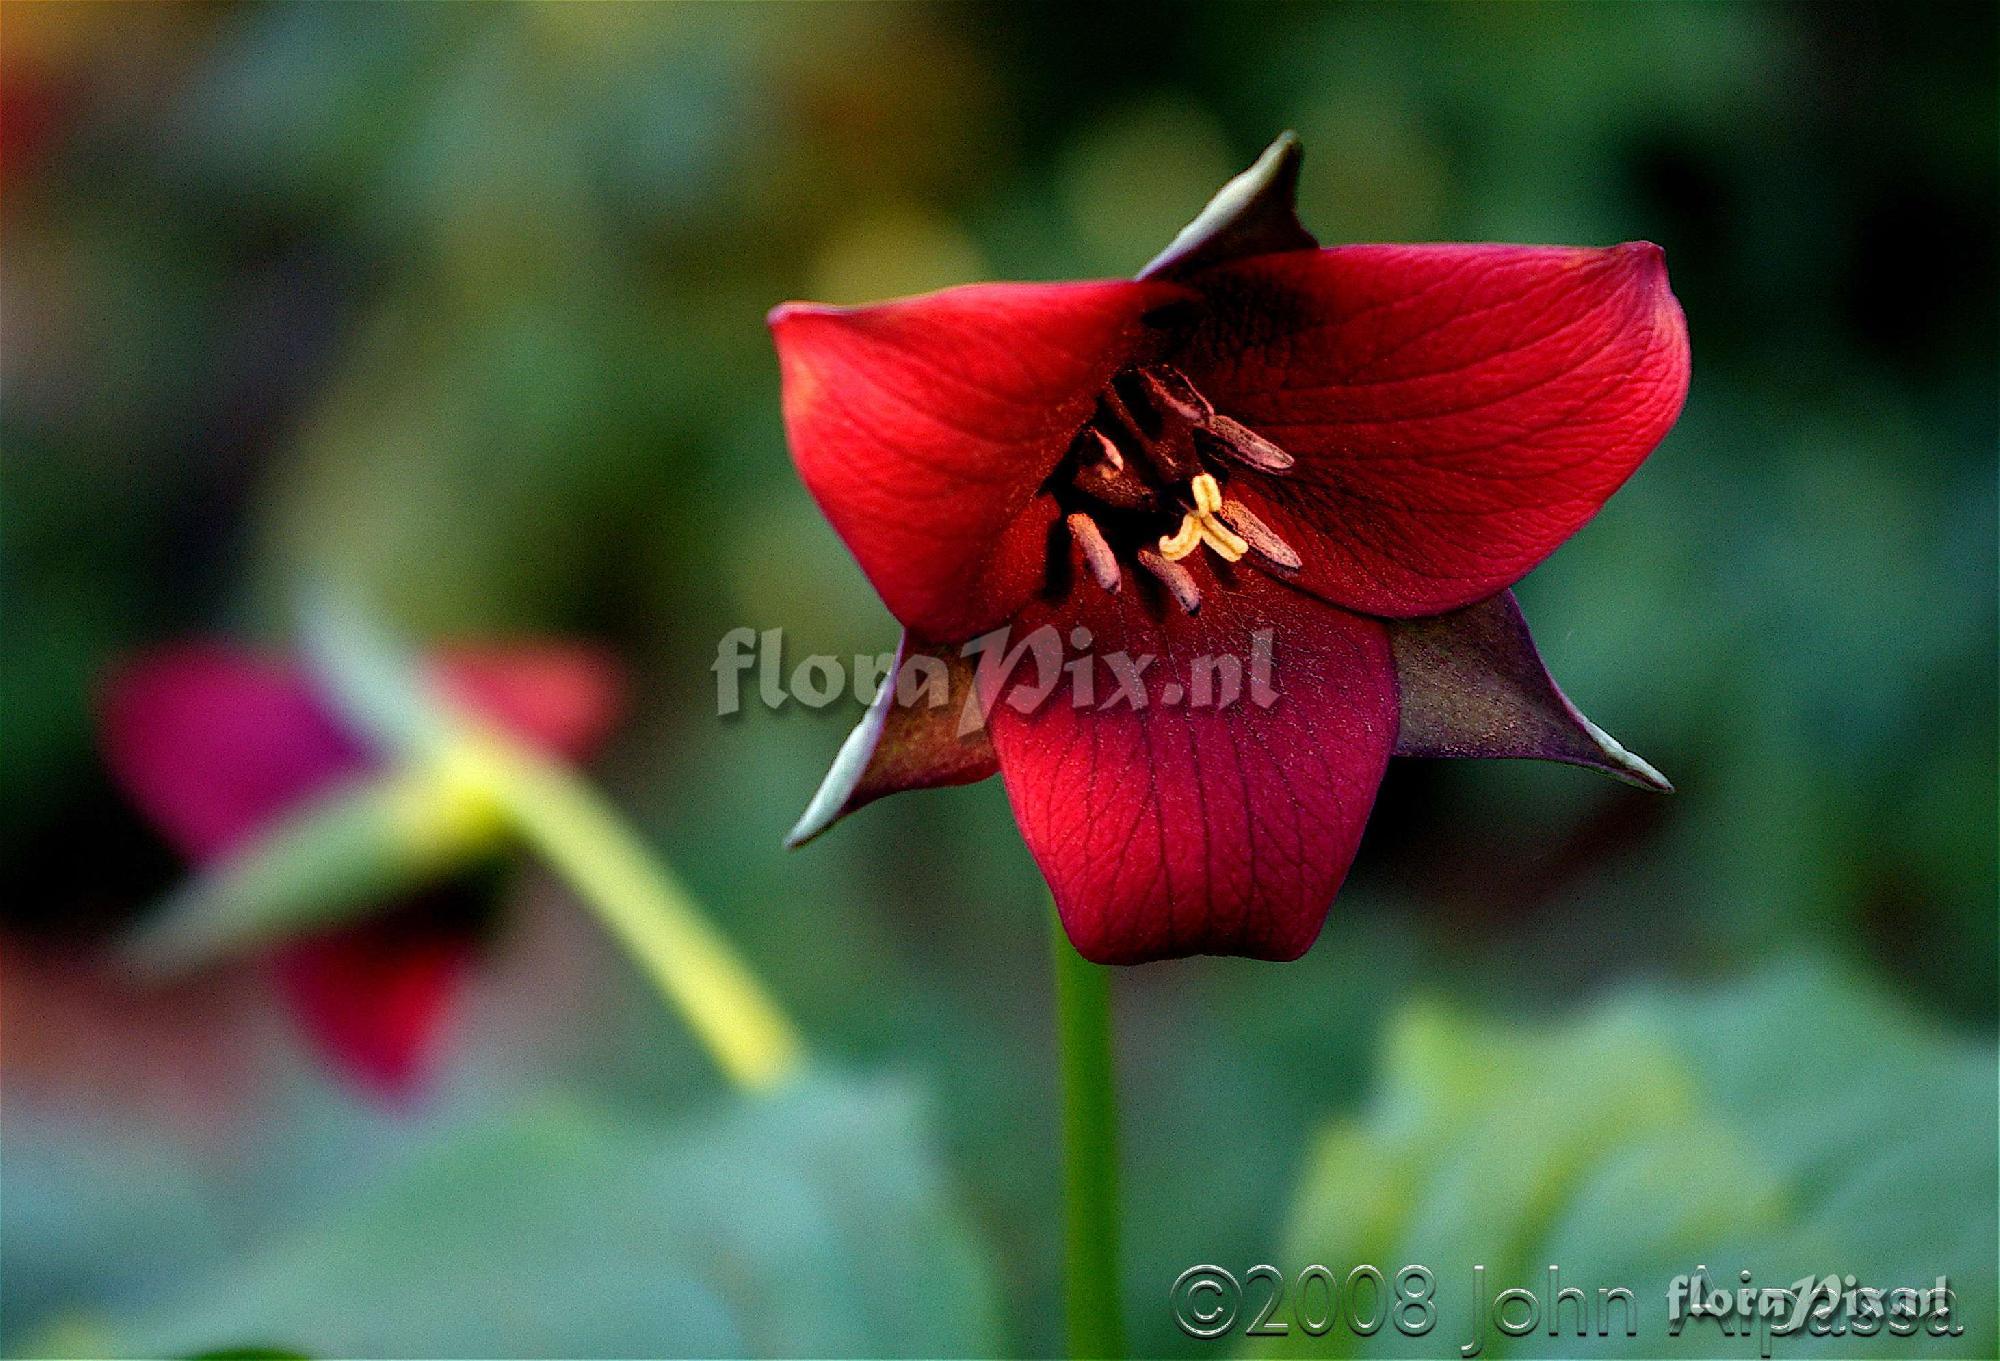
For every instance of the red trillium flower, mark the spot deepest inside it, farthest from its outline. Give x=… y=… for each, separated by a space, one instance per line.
x=1351 y=452
x=216 y=745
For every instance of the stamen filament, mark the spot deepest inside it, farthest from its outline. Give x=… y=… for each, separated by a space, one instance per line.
x=1108 y=451
x=1170 y=390
x=1098 y=558
x=1176 y=578
x=1171 y=458
x=1239 y=442
x=1260 y=538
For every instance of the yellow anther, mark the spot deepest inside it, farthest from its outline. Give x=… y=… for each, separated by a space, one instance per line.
x=1200 y=526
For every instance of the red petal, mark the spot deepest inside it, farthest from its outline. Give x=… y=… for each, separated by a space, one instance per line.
x=1457 y=411
x=1175 y=829
x=562 y=698
x=211 y=743
x=374 y=997
x=924 y=427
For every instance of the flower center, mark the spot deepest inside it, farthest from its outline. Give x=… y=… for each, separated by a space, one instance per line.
x=1144 y=479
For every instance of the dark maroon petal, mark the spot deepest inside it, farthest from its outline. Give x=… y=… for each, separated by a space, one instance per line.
x=1456 y=412
x=1183 y=828
x=914 y=736
x=924 y=427
x=374 y=997
x=1254 y=214
x=1472 y=684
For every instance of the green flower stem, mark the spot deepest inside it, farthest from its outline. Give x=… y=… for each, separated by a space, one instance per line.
x=1090 y=1143
x=635 y=897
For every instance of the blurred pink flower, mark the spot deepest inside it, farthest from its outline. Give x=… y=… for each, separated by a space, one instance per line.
x=213 y=743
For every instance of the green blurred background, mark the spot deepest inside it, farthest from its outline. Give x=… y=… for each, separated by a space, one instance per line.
x=466 y=302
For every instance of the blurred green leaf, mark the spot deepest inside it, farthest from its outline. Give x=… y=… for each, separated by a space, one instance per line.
x=816 y=1222
x=1789 y=1126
